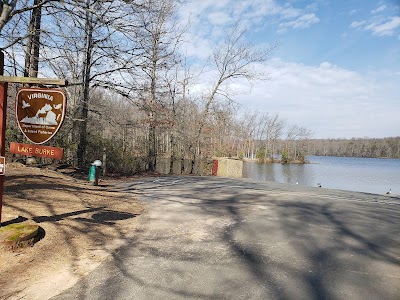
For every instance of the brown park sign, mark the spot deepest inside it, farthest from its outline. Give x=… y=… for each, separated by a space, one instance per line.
x=36 y=150
x=40 y=113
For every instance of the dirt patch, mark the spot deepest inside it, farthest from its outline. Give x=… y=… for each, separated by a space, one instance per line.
x=82 y=225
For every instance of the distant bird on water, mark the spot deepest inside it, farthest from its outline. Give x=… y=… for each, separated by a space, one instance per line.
x=390 y=191
x=319 y=185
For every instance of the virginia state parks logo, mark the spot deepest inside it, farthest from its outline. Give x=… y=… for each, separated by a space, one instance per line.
x=40 y=113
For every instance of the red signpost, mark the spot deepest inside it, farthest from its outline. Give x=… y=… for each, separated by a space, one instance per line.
x=3 y=115
x=46 y=126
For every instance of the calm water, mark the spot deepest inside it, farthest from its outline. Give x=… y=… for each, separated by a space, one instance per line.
x=371 y=175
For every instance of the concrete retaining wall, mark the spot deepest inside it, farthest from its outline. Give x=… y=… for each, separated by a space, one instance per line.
x=186 y=166
x=228 y=167
x=163 y=165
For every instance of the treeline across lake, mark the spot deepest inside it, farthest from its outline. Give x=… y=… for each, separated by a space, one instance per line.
x=356 y=147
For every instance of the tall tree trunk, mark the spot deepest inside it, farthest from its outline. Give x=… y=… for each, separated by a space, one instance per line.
x=33 y=45
x=152 y=143
x=84 y=105
x=151 y=115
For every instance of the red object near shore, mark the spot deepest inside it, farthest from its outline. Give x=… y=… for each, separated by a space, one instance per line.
x=215 y=167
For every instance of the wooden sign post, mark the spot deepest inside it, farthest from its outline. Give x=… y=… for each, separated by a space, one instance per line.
x=3 y=115
x=4 y=80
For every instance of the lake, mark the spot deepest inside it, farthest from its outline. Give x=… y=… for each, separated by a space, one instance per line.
x=370 y=175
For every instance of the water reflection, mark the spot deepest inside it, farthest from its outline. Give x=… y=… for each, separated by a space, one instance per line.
x=354 y=174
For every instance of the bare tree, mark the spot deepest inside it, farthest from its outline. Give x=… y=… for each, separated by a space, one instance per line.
x=177 y=81
x=293 y=150
x=158 y=37
x=233 y=59
x=11 y=8
x=32 y=48
x=274 y=131
x=91 y=44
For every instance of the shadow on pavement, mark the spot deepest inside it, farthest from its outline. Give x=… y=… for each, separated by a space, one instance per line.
x=259 y=241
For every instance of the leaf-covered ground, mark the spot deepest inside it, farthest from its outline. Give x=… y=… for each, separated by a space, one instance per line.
x=81 y=225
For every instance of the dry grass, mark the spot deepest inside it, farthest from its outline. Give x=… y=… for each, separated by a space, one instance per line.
x=82 y=224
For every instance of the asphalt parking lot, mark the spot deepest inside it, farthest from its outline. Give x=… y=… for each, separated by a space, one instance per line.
x=219 y=238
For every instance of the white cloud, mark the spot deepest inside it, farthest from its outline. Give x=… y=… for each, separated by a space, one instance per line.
x=329 y=100
x=325 y=65
x=198 y=47
x=210 y=17
x=386 y=28
x=379 y=9
x=219 y=18
x=290 y=12
x=353 y=12
x=358 y=24
x=303 y=21
x=380 y=23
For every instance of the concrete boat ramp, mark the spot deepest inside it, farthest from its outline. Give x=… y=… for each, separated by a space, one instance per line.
x=219 y=238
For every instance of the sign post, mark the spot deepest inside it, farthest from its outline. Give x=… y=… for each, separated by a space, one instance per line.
x=4 y=80
x=3 y=115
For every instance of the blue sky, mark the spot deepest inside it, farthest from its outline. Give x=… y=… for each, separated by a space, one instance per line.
x=337 y=69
